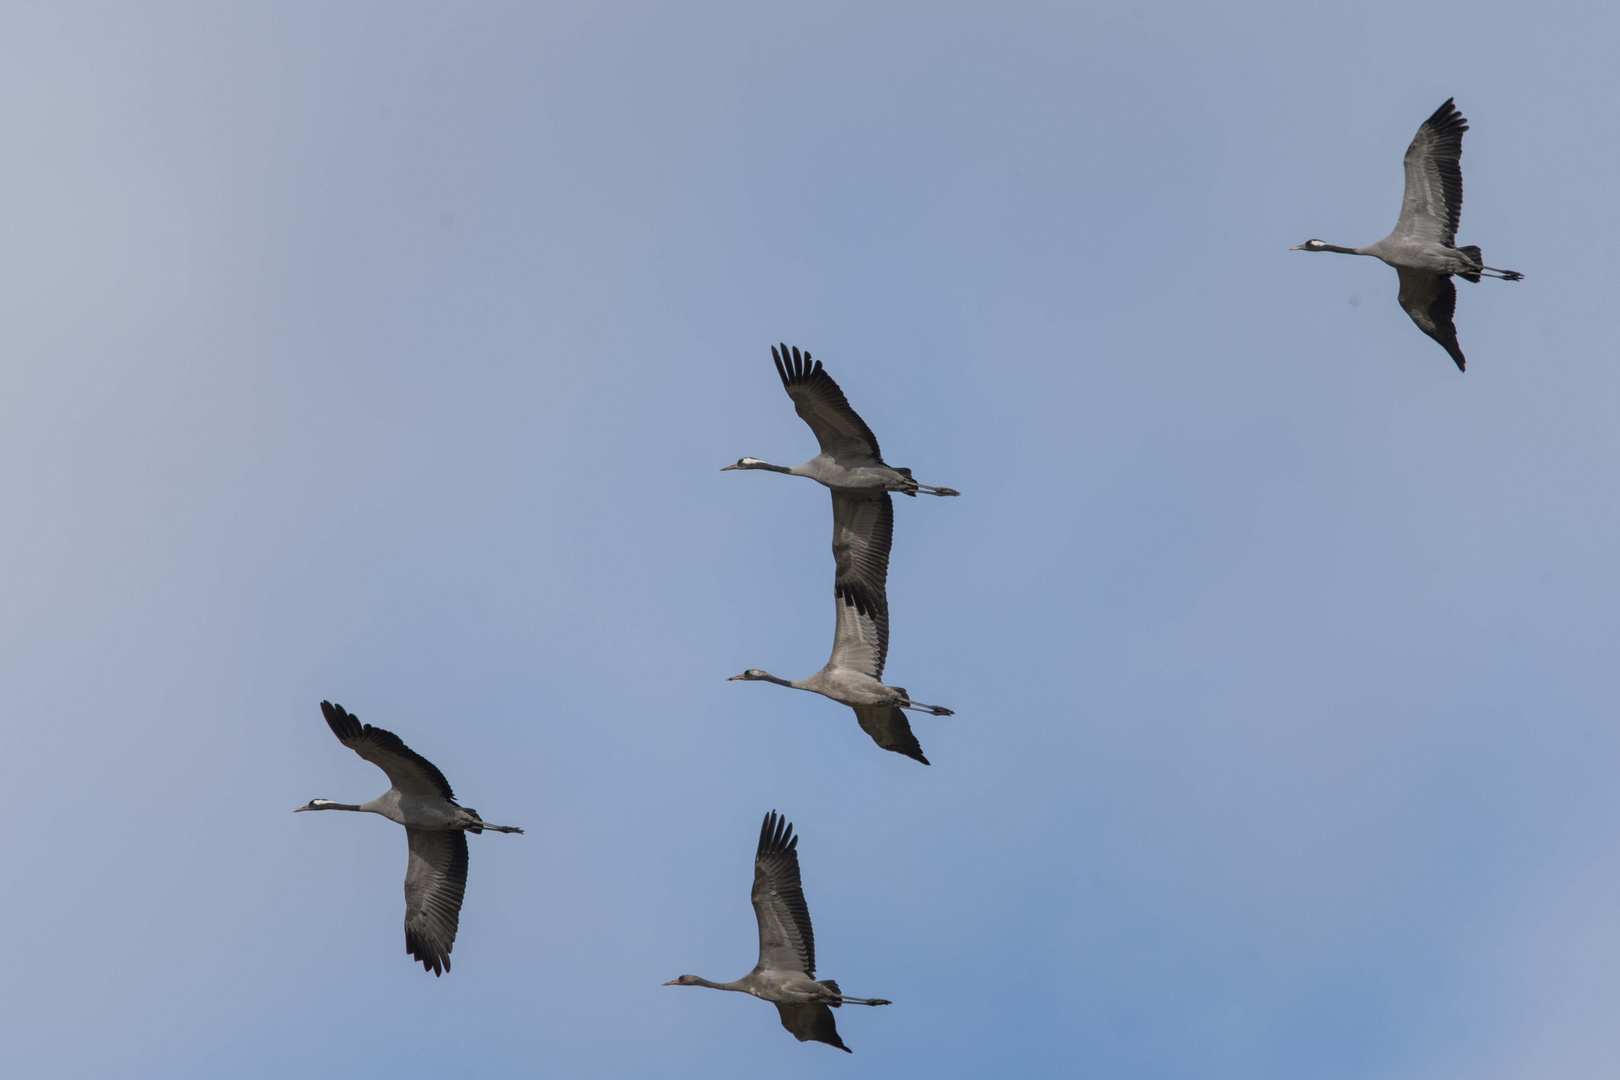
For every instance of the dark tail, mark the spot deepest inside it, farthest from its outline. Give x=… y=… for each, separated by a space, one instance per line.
x=1475 y=257
x=1478 y=258
x=833 y=986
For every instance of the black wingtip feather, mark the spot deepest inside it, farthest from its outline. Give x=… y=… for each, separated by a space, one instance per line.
x=421 y=949
x=1442 y=312
x=344 y=724
x=1447 y=119
x=776 y=834
x=793 y=365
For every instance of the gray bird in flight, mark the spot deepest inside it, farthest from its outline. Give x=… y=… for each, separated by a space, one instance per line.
x=436 y=831
x=786 y=973
x=1422 y=247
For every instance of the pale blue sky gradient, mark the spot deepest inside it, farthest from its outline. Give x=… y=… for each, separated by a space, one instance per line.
x=388 y=353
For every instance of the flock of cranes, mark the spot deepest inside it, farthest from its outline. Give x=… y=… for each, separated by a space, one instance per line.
x=1421 y=249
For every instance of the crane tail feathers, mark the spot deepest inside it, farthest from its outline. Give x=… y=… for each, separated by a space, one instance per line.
x=1477 y=257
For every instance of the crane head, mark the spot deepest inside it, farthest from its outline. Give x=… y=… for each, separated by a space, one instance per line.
x=685 y=980
x=1310 y=245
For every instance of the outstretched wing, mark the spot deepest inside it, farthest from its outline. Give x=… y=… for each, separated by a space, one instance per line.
x=1431 y=300
x=819 y=403
x=435 y=880
x=812 y=1023
x=786 y=942
x=889 y=728
x=1432 y=205
x=863 y=532
x=410 y=772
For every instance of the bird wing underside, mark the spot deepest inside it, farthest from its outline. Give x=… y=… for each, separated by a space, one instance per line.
x=410 y=772
x=1431 y=301
x=811 y=1023
x=435 y=880
x=1432 y=204
x=863 y=532
x=889 y=728
x=786 y=941
x=821 y=404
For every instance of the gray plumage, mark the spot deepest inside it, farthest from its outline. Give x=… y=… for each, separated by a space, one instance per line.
x=1422 y=247
x=863 y=530
x=436 y=831
x=849 y=458
x=863 y=533
x=785 y=973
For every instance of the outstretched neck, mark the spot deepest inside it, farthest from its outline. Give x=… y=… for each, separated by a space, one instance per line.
x=1342 y=250
x=335 y=806
x=740 y=986
x=756 y=675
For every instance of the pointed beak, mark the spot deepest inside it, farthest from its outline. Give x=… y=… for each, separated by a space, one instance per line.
x=728 y=468
x=1297 y=247
x=734 y=678
x=301 y=809
x=673 y=982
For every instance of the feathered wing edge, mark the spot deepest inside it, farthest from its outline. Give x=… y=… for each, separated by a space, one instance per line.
x=1435 y=154
x=811 y=1023
x=409 y=771
x=863 y=533
x=889 y=728
x=785 y=935
x=821 y=404
x=435 y=884
x=1430 y=300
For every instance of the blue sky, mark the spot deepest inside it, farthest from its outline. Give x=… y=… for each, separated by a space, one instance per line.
x=388 y=354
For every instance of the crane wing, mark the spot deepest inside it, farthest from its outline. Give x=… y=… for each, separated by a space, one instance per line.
x=410 y=772
x=786 y=942
x=1432 y=205
x=889 y=728
x=819 y=403
x=1431 y=300
x=435 y=879
x=863 y=532
x=811 y=1023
